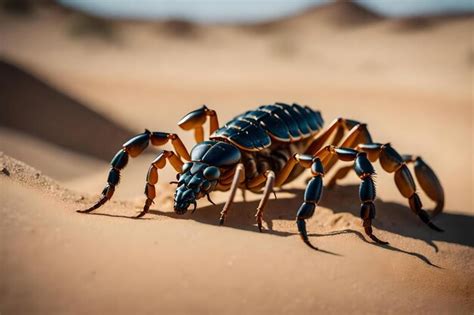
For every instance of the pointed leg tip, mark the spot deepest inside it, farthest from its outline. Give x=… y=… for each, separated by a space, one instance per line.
x=377 y=240
x=221 y=221
x=259 y=224
x=307 y=242
x=436 y=228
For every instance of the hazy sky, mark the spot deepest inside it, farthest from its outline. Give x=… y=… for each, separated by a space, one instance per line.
x=252 y=10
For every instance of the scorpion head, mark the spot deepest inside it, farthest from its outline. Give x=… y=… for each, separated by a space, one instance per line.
x=200 y=176
x=196 y=180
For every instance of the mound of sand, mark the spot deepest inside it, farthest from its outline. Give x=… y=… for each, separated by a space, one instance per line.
x=36 y=108
x=340 y=13
x=25 y=174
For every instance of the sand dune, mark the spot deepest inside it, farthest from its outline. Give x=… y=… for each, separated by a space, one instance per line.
x=30 y=105
x=68 y=103
x=339 y=14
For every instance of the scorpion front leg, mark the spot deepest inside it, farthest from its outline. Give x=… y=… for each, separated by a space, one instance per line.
x=152 y=176
x=196 y=119
x=133 y=148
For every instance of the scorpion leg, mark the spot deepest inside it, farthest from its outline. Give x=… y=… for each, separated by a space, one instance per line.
x=312 y=193
x=392 y=162
x=338 y=127
x=152 y=176
x=270 y=175
x=133 y=148
x=196 y=119
x=365 y=171
x=428 y=181
x=360 y=138
x=358 y=134
x=239 y=177
x=244 y=194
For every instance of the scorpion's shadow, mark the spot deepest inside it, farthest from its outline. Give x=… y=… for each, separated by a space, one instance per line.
x=391 y=217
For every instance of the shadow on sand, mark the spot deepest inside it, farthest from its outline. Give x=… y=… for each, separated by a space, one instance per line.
x=33 y=106
x=392 y=217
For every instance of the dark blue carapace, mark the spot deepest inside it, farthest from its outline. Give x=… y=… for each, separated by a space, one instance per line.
x=200 y=176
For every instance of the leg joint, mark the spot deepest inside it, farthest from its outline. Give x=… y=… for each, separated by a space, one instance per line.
x=306 y=211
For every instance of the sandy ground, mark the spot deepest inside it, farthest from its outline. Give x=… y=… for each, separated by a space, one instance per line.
x=411 y=82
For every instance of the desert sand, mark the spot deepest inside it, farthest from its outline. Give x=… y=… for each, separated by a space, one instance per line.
x=69 y=98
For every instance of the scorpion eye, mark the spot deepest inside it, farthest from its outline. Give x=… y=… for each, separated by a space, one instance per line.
x=186 y=167
x=212 y=173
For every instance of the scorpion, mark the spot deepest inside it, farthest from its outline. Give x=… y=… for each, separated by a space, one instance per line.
x=268 y=147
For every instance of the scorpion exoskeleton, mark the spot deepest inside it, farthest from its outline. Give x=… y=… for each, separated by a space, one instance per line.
x=267 y=148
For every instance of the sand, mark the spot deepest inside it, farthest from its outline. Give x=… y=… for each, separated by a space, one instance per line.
x=410 y=80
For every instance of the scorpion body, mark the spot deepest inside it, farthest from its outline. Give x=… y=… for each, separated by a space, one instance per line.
x=268 y=147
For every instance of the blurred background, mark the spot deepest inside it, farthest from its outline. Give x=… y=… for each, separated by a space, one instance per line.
x=78 y=77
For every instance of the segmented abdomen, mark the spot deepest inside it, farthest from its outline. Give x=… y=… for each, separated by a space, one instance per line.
x=255 y=129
